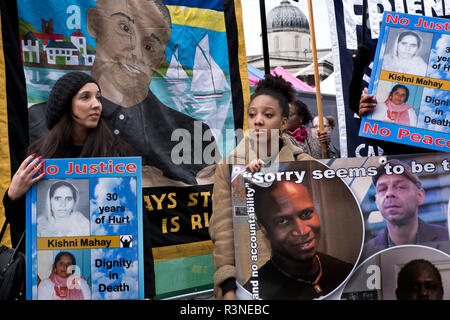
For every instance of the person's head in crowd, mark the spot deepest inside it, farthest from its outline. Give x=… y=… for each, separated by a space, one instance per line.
x=74 y=118
x=299 y=115
x=419 y=280
x=63 y=197
x=398 y=196
x=131 y=38
x=268 y=112
x=408 y=43
x=329 y=122
x=288 y=217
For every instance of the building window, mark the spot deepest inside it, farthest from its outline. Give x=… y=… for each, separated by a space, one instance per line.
x=297 y=42
x=277 y=43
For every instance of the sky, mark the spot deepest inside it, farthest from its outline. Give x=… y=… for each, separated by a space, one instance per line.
x=252 y=22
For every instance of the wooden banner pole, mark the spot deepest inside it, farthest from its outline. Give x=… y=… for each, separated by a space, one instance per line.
x=316 y=75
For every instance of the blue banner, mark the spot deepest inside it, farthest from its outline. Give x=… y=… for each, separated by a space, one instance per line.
x=411 y=82
x=346 y=22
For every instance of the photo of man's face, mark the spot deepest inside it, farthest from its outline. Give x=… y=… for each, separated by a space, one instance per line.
x=62 y=202
x=131 y=39
x=397 y=198
x=293 y=229
x=423 y=285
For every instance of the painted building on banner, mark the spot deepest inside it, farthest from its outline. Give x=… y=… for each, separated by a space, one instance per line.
x=56 y=49
x=30 y=48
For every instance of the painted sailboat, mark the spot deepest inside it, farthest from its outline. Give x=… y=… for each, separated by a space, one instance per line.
x=175 y=72
x=208 y=79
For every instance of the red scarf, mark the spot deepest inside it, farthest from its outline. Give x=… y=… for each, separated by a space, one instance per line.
x=63 y=291
x=299 y=134
x=398 y=113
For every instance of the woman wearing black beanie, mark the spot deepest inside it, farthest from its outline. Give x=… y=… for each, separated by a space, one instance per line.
x=76 y=129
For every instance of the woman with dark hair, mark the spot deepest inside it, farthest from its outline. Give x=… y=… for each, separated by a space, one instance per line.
x=265 y=145
x=297 y=130
x=76 y=129
x=394 y=109
x=62 y=284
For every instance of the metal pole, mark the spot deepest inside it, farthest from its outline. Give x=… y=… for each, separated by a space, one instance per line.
x=262 y=10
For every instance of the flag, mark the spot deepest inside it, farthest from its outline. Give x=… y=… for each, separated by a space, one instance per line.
x=193 y=86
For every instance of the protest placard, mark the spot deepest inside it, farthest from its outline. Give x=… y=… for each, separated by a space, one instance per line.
x=84 y=231
x=302 y=228
x=411 y=82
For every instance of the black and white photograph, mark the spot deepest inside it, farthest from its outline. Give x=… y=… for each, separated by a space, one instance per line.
x=63 y=208
x=407 y=51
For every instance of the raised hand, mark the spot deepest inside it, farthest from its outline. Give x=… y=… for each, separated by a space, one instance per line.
x=366 y=103
x=26 y=176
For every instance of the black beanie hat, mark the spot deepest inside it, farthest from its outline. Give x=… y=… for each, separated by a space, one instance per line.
x=60 y=99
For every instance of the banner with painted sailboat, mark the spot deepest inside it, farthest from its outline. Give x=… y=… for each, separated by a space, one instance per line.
x=208 y=80
x=175 y=72
x=170 y=71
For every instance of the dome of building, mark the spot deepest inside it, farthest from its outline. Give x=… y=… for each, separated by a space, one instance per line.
x=287 y=17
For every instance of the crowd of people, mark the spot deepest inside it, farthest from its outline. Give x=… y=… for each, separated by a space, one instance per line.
x=102 y=114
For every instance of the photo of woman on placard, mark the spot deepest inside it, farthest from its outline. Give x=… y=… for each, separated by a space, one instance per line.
x=407 y=52
x=395 y=109
x=59 y=216
x=63 y=284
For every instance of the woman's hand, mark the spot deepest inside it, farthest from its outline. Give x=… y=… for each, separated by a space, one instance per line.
x=366 y=103
x=255 y=165
x=25 y=177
